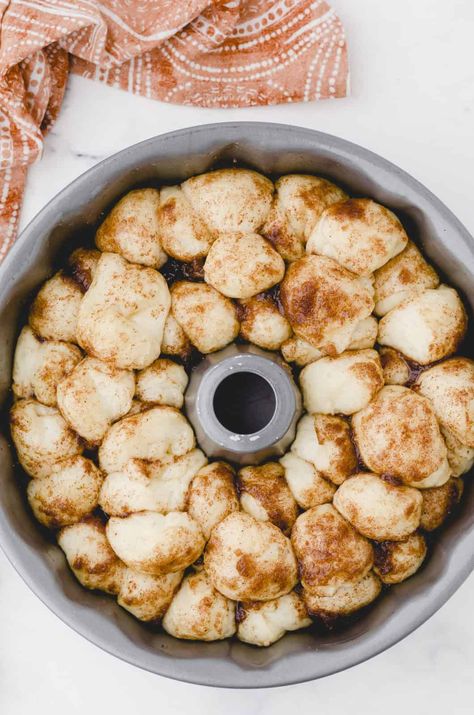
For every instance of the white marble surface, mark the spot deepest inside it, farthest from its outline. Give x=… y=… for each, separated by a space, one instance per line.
x=413 y=102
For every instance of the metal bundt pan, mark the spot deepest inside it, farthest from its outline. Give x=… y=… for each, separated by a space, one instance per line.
x=272 y=149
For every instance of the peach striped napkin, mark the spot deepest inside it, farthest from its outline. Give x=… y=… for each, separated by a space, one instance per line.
x=233 y=53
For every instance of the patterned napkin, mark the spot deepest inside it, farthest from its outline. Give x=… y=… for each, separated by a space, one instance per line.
x=208 y=53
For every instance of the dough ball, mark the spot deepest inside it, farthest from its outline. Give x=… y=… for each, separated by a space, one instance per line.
x=250 y=560
x=67 y=494
x=90 y=557
x=377 y=509
x=365 y=334
x=41 y=436
x=39 y=365
x=396 y=370
x=346 y=600
x=343 y=384
x=297 y=206
x=175 y=341
x=460 y=457
x=155 y=543
x=132 y=229
x=54 y=312
x=265 y=495
x=425 y=327
x=300 y=352
x=324 y=302
x=396 y=561
x=94 y=395
x=199 y=612
x=262 y=323
x=404 y=276
x=151 y=435
x=307 y=486
x=184 y=234
x=265 y=622
x=326 y=443
x=242 y=265
x=122 y=315
x=208 y=318
x=439 y=503
x=450 y=388
x=212 y=496
x=163 y=382
x=329 y=550
x=151 y=486
x=230 y=199
x=146 y=596
x=359 y=234
x=398 y=435
x=82 y=264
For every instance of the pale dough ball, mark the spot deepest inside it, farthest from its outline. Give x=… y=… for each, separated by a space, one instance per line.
x=343 y=384
x=242 y=265
x=365 y=334
x=55 y=310
x=297 y=350
x=324 y=302
x=345 y=601
x=199 y=612
x=151 y=486
x=396 y=561
x=439 y=503
x=307 y=486
x=265 y=622
x=402 y=277
x=39 y=365
x=460 y=457
x=398 y=435
x=183 y=233
x=297 y=206
x=262 y=324
x=329 y=550
x=360 y=234
x=122 y=315
x=41 y=436
x=90 y=556
x=132 y=229
x=450 y=388
x=326 y=443
x=377 y=509
x=396 y=370
x=94 y=395
x=151 y=435
x=425 y=327
x=250 y=560
x=163 y=382
x=208 y=318
x=230 y=199
x=155 y=543
x=265 y=495
x=82 y=264
x=212 y=496
x=67 y=494
x=175 y=341
x=147 y=597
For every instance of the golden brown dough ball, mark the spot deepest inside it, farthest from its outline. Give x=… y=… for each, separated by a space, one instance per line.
x=146 y=596
x=359 y=234
x=183 y=233
x=439 y=503
x=90 y=556
x=132 y=229
x=39 y=365
x=308 y=487
x=163 y=382
x=55 y=310
x=67 y=494
x=262 y=324
x=330 y=552
x=396 y=561
x=242 y=265
x=265 y=495
x=345 y=601
x=82 y=265
x=324 y=302
x=250 y=560
x=199 y=612
x=377 y=509
x=297 y=206
x=212 y=496
x=265 y=622
x=396 y=370
x=404 y=276
x=398 y=435
x=208 y=318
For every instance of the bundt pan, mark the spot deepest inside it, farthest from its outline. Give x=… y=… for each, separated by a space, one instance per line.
x=271 y=149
